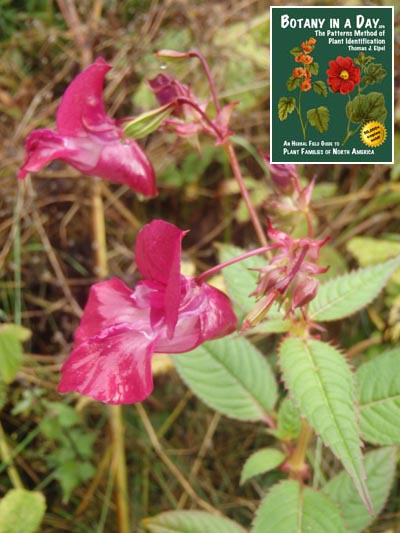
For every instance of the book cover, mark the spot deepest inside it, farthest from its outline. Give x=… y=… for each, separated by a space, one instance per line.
x=331 y=84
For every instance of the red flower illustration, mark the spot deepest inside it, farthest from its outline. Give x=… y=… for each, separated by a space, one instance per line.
x=343 y=75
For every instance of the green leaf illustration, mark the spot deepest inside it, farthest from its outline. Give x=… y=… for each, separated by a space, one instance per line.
x=380 y=466
x=292 y=83
x=319 y=118
x=231 y=376
x=365 y=107
x=343 y=296
x=320 y=88
x=296 y=51
x=374 y=73
x=285 y=107
x=260 y=462
x=21 y=511
x=313 y=68
x=322 y=385
x=190 y=522
x=289 y=509
x=379 y=386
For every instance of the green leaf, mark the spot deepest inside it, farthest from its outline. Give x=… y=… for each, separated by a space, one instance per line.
x=260 y=462
x=231 y=376
x=319 y=118
x=296 y=51
x=380 y=466
x=10 y=355
x=71 y=474
x=369 y=251
x=21 y=511
x=313 y=68
x=292 y=83
x=19 y=332
x=320 y=88
x=374 y=73
x=190 y=522
x=289 y=423
x=321 y=383
x=285 y=107
x=379 y=386
x=343 y=296
x=288 y=508
x=366 y=107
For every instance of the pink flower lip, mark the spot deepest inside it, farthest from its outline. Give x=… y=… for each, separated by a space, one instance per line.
x=88 y=140
x=120 y=329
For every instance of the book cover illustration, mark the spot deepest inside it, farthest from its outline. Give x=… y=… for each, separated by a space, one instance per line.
x=331 y=85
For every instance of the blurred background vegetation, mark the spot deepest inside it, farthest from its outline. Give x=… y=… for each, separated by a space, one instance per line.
x=62 y=445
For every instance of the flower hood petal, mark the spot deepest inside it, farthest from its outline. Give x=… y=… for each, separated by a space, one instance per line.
x=158 y=257
x=114 y=367
x=82 y=103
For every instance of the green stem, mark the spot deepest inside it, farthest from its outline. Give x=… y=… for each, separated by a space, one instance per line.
x=7 y=459
x=298 y=109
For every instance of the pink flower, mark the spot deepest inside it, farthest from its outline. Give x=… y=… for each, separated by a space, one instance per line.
x=120 y=329
x=89 y=140
x=191 y=118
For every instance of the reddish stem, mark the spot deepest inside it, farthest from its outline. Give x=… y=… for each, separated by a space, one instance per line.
x=204 y=64
x=217 y=268
x=239 y=178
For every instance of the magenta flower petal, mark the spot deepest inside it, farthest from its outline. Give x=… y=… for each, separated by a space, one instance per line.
x=89 y=140
x=111 y=304
x=82 y=105
x=158 y=257
x=114 y=367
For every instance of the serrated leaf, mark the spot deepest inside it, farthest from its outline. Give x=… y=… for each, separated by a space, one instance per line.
x=374 y=73
x=10 y=355
x=231 y=376
x=292 y=83
x=321 y=383
x=260 y=462
x=190 y=522
x=320 y=88
x=313 y=68
x=379 y=386
x=380 y=466
x=288 y=508
x=285 y=107
x=289 y=423
x=21 y=511
x=365 y=107
x=319 y=118
x=370 y=251
x=343 y=296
